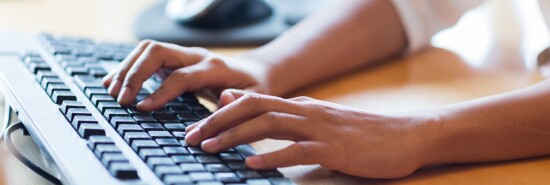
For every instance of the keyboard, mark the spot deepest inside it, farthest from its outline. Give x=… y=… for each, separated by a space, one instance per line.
x=120 y=145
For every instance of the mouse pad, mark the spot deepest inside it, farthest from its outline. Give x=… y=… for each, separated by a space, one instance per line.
x=154 y=24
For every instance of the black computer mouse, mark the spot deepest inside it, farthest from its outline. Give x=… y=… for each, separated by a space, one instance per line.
x=218 y=13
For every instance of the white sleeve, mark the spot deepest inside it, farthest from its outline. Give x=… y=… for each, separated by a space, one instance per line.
x=424 y=18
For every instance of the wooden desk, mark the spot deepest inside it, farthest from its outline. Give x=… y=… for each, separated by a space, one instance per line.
x=485 y=60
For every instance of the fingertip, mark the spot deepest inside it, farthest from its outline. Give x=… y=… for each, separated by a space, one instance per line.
x=146 y=105
x=125 y=96
x=255 y=162
x=230 y=95
x=114 y=88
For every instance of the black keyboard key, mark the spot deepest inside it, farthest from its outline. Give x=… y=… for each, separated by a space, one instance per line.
x=59 y=96
x=95 y=91
x=180 y=109
x=130 y=137
x=177 y=179
x=98 y=73
x=227 y=177
x=217 y=168
x=160 y=134
x=141 y=144
x=175 y=127
x=66 y=105
x=271 y=173
x=202 y=113
x=167 y=118
x=116 y=121
x=79 y=120
x=123 y=128
x=162 y=171
x=109 y=158
x=175 y=150
x=249 y=175
x=230 y=157
x=93 y=141
x=110 y=113
x=72 y=112
x=237 y=166
x=195 y=150
x=207 y=159
x=85 y=81
x=123 y=170
x=86 y=130
x=102 y=106
x=167 y=142
x=134 y=112
x=152 y=126
x=183 y=159
x=187 y=117
x=179 y=135
x=152 y=162
x=102 y=149
x=192 y=167
x=35 y=67
x=201 y=176
x=151 y=152
x=56 y=87
x=101 y=98
x=144 y=119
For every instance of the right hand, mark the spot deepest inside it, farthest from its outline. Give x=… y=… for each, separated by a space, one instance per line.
x=193 y=69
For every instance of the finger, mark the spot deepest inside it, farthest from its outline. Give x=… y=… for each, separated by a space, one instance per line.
x=184 y=79
x=243 y=109
x=115 y=78
x=301 y=153
x=155 y=57
x=270 y=125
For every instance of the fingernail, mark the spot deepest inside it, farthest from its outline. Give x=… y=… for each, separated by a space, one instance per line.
x=210 y=144
x=147 y=102
x=255 y=162
x=125 y=93
x=193 y=136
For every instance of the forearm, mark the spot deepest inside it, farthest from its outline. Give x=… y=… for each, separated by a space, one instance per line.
x=502 y=127
x=342 y=38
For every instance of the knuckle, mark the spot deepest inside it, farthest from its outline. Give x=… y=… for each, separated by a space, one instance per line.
x=252 y=100
x=273 y=119
x=181 y=74
x=216 y=61
x=304 y=150
x=155 y=47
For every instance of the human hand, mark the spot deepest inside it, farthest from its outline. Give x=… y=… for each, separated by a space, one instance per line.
x=336 y=137
x=193 y=69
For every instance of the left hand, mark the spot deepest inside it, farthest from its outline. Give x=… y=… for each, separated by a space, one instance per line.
x=336 y=137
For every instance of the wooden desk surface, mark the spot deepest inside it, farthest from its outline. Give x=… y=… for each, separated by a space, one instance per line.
x=485 y=55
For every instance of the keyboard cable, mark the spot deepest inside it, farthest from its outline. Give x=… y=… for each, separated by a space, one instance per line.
x=7 y=137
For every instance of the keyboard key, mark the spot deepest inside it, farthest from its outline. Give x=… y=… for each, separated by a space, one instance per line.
x=201 y=176
x=90 y=91
x=152 y=162
x=187 y=117
x=101 y=98
x=227 y=177
x=109 y=158
x=183 y=159
x=79 y=120
x=179 y=135
x=195 y=150
x=102 y=149
x=249 y=175
x=72 y=112
x=76 y=70
x=168 y=142
x=56 y=87
x=140 y=144
x=59 y=96
x=46 y=81
x=202 y=113
x=86 y=130
x=280 y=181
x=218 y=168
x=110 y=113
x=35 y=67
x=175 y=127
x=102 y=106
x=271 y=173
x=129 y=137
x=177 y=179
x=93 y=141
x=160 y=134
x=192 y=167
x=42 y=73
x=98 y=73
x=152 y=127
x=166 y=118
x=123 y=170
x=207 y=159
x=123 y=128
x=151 y=152
x=116 y=121
x=231 y=157
x=70 y=104
x=175 y=150
x=161 y=171
x=258 y=182
x=237 y=166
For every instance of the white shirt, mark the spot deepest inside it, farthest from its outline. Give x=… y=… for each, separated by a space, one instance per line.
x=422 y=19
